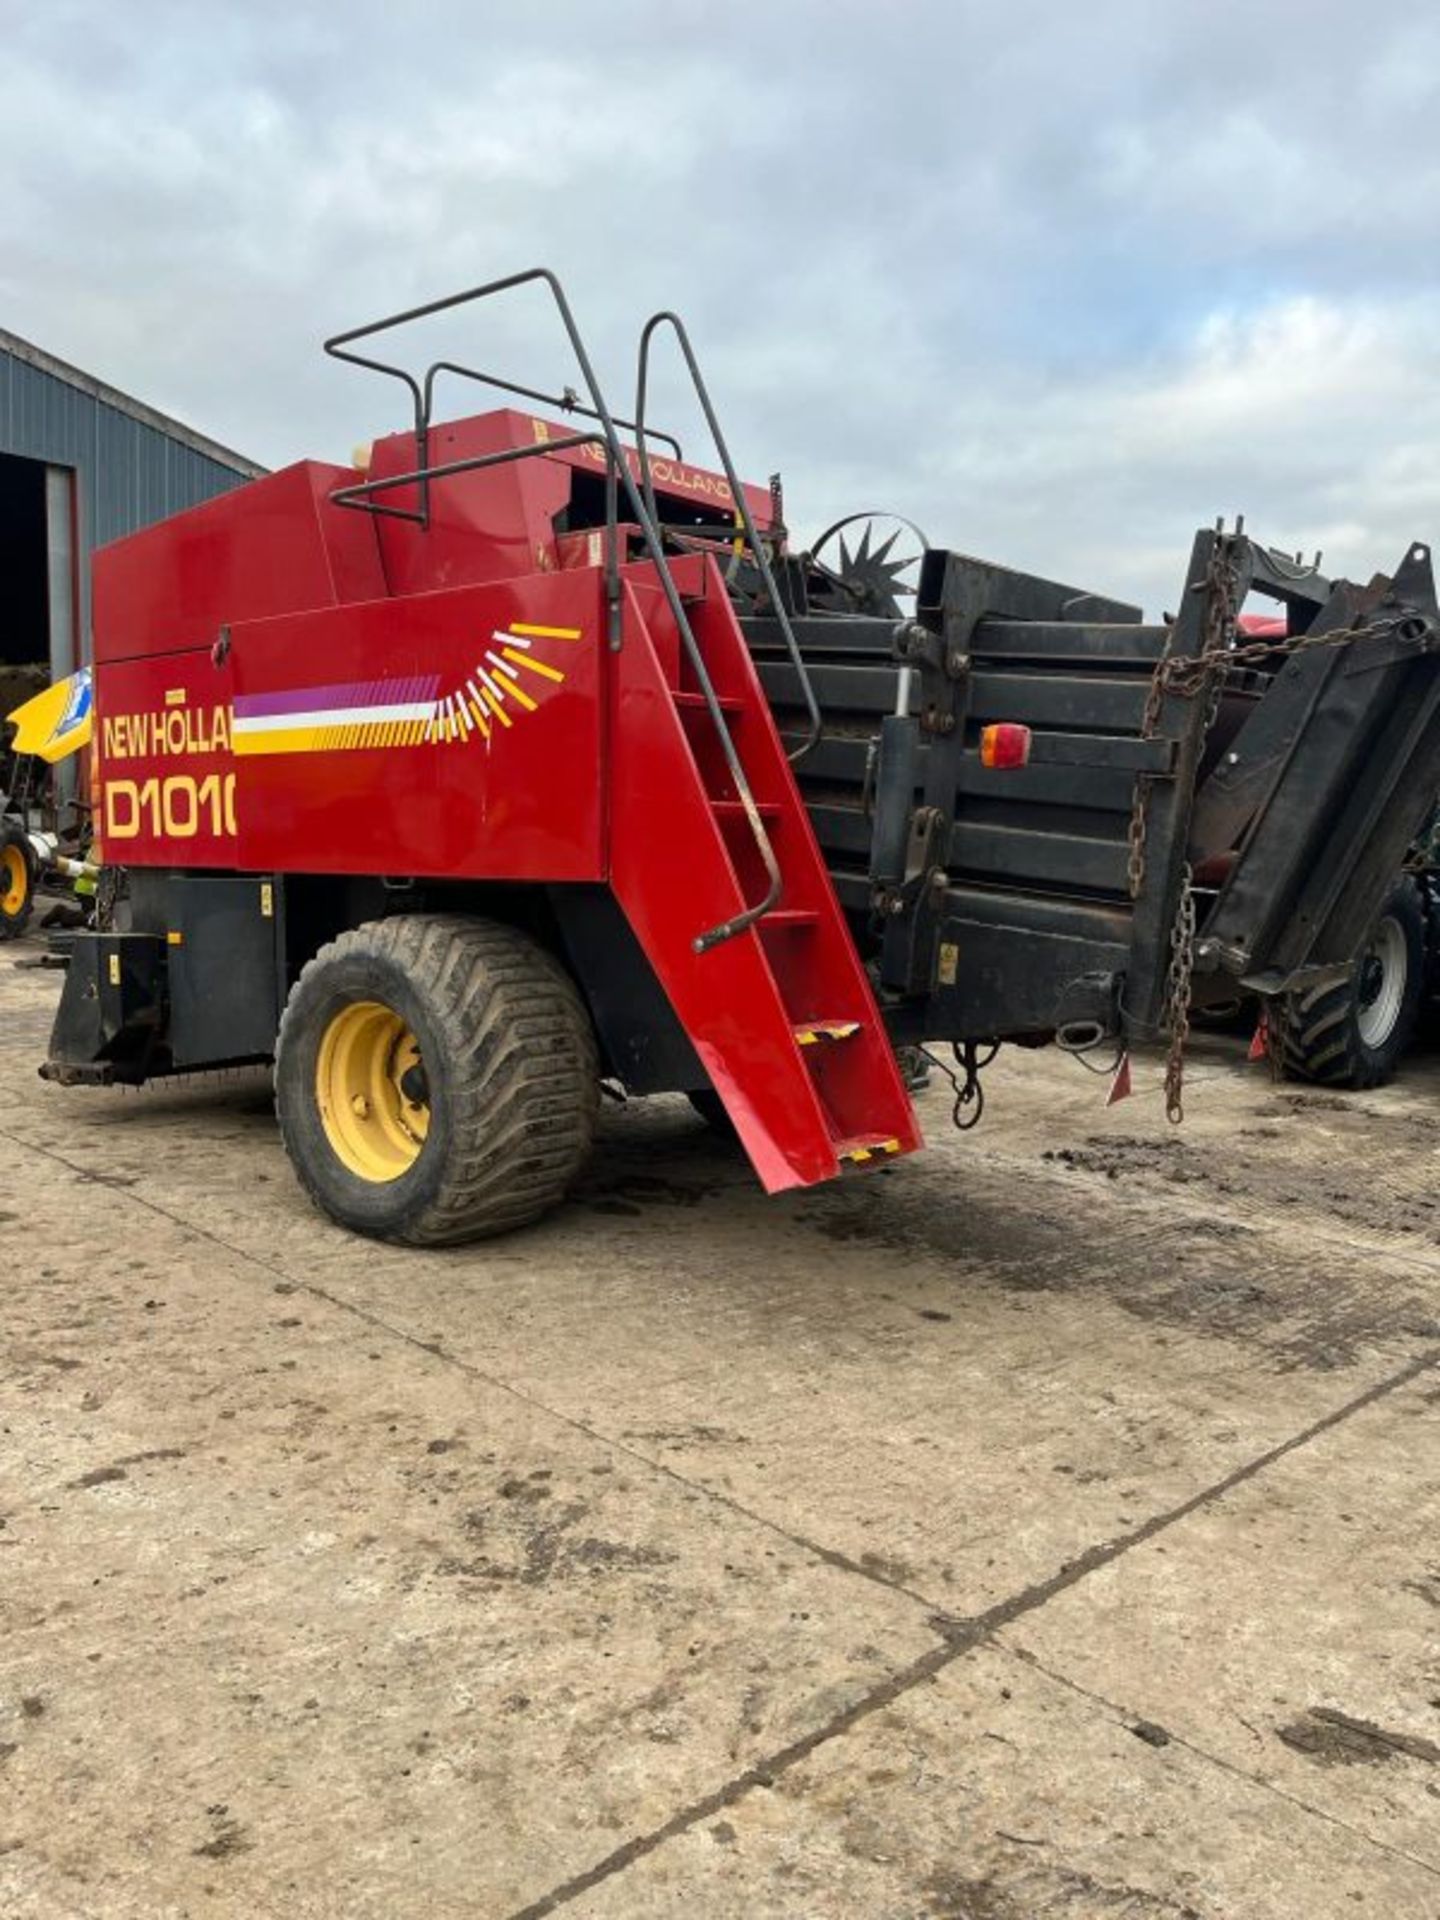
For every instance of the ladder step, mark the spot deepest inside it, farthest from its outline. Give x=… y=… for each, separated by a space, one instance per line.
x=867 y=1149
x=812 y=1033
x=734 y=809
x=689 y=702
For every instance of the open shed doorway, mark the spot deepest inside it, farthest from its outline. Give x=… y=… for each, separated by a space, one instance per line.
x=37 y=613
x=24 y=565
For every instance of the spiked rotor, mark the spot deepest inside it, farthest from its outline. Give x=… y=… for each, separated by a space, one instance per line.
x=867 y=580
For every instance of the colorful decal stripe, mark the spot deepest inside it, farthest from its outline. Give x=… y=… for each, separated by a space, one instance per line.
x=331 y=730
x=508 y=682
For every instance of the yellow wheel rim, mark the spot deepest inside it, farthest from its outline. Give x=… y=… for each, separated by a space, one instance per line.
x=14 y=881
x=375 y=1125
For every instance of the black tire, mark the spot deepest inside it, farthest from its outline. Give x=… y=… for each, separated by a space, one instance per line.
x=510 y=1077
x=19 y=874
x=1353 y=1033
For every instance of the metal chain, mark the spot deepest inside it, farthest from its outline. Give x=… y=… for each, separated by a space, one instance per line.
x=1222 y=609
x=1187 y=675
x=1176 y=1015
x=1135 y=835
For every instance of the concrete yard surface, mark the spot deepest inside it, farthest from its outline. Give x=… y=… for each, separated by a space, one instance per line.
x=1047 y=1525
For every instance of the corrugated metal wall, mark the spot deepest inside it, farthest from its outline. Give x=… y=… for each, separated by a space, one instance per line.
x=129 y=470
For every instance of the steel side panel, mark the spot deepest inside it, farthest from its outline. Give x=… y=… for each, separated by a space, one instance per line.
x=513 y=795
x=274 y=546
x=290 y=755
x=224 y=969
x=163 y=779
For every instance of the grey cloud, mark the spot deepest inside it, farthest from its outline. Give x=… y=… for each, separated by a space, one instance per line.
x=1059 y=282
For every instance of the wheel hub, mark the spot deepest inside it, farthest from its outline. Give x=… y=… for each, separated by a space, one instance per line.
x=368 y=1074
x=14 y=880
x=1380 y=988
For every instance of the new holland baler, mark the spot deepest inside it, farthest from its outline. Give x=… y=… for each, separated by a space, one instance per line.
x=532 y=756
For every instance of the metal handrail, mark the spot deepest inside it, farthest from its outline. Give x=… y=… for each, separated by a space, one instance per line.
x=737 y=493
x=568 y=402
x=619 y=468
x=360 y=496
x=356 y=494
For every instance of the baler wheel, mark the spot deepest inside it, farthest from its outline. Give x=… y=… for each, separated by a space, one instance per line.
x=436 y=1079
x=17 y=883
x=1352 y=1034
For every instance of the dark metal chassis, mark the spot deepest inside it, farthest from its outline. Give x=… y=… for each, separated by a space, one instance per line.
x=998 y=905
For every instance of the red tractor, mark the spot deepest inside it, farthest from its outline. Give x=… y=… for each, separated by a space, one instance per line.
x=533 y=757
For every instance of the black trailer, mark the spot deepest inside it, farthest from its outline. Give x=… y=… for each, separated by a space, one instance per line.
x=1201 y=815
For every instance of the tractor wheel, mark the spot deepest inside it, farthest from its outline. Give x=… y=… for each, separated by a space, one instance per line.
x=436 y=1079
x=1352 y=1034
x=18 y=874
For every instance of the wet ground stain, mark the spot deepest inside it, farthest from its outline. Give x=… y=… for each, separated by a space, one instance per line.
x=1331 y=1738
x=1342 y=1188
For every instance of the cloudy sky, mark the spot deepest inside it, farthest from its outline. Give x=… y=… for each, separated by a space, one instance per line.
x=1060 y=282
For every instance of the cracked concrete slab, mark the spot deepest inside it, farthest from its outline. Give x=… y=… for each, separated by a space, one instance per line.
x=1291 y=1628
x=338 y=1580
x=288 y=1605
x=992 y=1793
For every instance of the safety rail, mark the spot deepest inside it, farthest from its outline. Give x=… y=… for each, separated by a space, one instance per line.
x=567 y=400
x=737 y=494
x=360 y=497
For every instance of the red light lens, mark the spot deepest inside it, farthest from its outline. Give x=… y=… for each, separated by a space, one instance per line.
x=1005 y=745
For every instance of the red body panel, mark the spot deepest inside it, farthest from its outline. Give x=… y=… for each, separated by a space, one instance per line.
x=273 y=546
x=163 y=776
x=506 y=786
x=280 y=689
x=498 y=523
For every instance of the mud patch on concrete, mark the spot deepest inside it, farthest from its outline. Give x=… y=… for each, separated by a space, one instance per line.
x=100 y=1477
x=614 y=1190
x=1334 y=1739
x=1292 y=1103
x=889 y=1211
x=1427 y=1588
x=1117 y=1154
x=527 y=1541
x=1159 y=1246
x=696 y=1433
x=227 y=1836
x=955 y=1896
x=1046 y=1891
x=1340 y=1188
